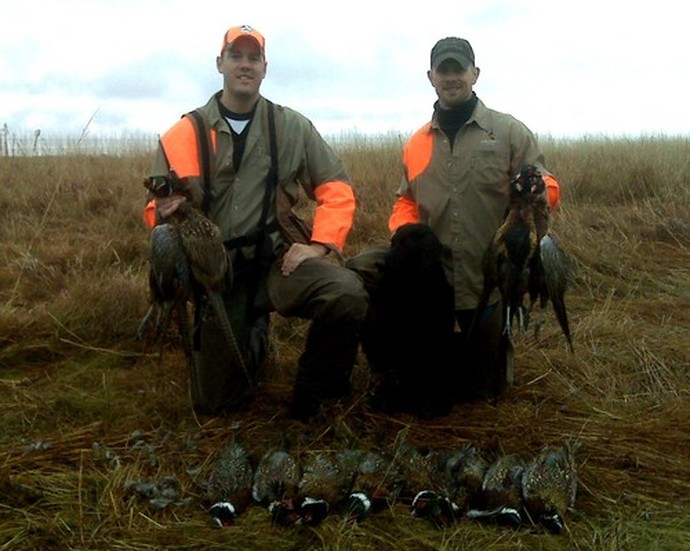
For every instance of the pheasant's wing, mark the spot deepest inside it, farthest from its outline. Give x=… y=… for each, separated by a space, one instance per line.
x=232 y=477
x=169 y=275
x=204 y=247
x=276 y=478
x=549 y=483
x=557 y=273
x=168 y=263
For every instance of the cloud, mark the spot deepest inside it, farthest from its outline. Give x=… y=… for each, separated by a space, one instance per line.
x=563 y=69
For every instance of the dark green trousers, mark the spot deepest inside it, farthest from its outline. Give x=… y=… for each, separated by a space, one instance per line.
x=329 y=295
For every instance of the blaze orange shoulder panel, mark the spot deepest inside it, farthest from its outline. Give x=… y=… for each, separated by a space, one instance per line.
x=180 y=147
x=181 y=150
x=417 y=152
x=150 y=214
x=553 y=191
x=416 y=157
x=335 y=207
x=405 y=211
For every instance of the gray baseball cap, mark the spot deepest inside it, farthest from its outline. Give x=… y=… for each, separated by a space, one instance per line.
x=454 y=48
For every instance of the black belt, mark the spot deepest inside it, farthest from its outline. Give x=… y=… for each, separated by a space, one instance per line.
x=250 y=239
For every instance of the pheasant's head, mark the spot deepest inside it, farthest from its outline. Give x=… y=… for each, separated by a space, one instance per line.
x=528 y=183
x=164 y=186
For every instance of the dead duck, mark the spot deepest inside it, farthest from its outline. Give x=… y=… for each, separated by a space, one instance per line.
x=229 y=488
x=501 y=492
x=549 y=486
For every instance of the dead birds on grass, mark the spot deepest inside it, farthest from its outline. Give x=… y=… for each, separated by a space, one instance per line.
x=377 y=482
x=549 y=486
x=501 y=492
x=229 y=488
x=439 y=486
x=537 y=491
x=525 y=259
x=326 y=481
x=276 y=483
x=455 y=482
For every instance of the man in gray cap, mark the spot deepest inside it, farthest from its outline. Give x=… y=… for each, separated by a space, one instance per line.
x=456 y=174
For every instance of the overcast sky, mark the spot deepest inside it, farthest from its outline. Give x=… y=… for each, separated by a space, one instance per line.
x=131 y=67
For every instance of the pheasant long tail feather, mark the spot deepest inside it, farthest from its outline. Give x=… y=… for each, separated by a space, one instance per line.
x=218 y=306
x=183 y=328
x=144 y=323
x=557 y=268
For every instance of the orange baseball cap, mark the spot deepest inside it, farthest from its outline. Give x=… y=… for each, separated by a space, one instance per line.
x=233 y=33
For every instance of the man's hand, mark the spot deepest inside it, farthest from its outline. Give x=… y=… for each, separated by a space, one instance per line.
x=165 y=206
x=298 y=253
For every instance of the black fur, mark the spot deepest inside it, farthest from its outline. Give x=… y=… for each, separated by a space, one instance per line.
x=415 y=317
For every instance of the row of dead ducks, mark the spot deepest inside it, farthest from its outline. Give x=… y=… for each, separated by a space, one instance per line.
x=441 y=486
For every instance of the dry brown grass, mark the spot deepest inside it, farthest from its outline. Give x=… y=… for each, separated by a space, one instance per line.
x=85 y=408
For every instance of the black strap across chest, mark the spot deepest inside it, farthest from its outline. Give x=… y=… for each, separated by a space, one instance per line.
x=206 y=155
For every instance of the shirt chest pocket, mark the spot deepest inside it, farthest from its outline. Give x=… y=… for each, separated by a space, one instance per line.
x=490 y=161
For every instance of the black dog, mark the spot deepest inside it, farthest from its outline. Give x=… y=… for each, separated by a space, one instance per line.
x=413 y=315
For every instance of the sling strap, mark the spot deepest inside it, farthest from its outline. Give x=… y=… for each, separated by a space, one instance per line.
x=261 y=254
x=271 y=185
x=259 y=237
x=206 y=155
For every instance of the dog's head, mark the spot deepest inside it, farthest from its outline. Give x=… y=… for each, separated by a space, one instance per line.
x=414 y=248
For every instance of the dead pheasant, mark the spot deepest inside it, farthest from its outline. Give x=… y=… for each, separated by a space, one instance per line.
x=523 y=258
x=170 y=285
x=463 y=474
x=276 y=483
x=377 y=483
x=549 y=485
x=326 y=482
x=550 y=276
x=195 y=237
x=229 y=489
x=501 y=493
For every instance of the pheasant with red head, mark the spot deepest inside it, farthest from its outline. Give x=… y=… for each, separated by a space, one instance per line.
x=523 y=258
x=194 y=237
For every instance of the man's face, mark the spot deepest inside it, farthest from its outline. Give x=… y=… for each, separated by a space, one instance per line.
x=453 y=83
x=243 y=67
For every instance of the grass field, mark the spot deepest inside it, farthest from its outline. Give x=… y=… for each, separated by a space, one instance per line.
x=85 y=409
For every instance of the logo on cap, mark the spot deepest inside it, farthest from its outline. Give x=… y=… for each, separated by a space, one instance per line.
x=233 y=33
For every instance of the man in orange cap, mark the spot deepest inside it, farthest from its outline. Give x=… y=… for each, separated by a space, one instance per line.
x=279 y=261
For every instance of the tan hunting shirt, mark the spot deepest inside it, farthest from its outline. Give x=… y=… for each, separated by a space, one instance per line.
x=463 y=193
x=305 y=161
